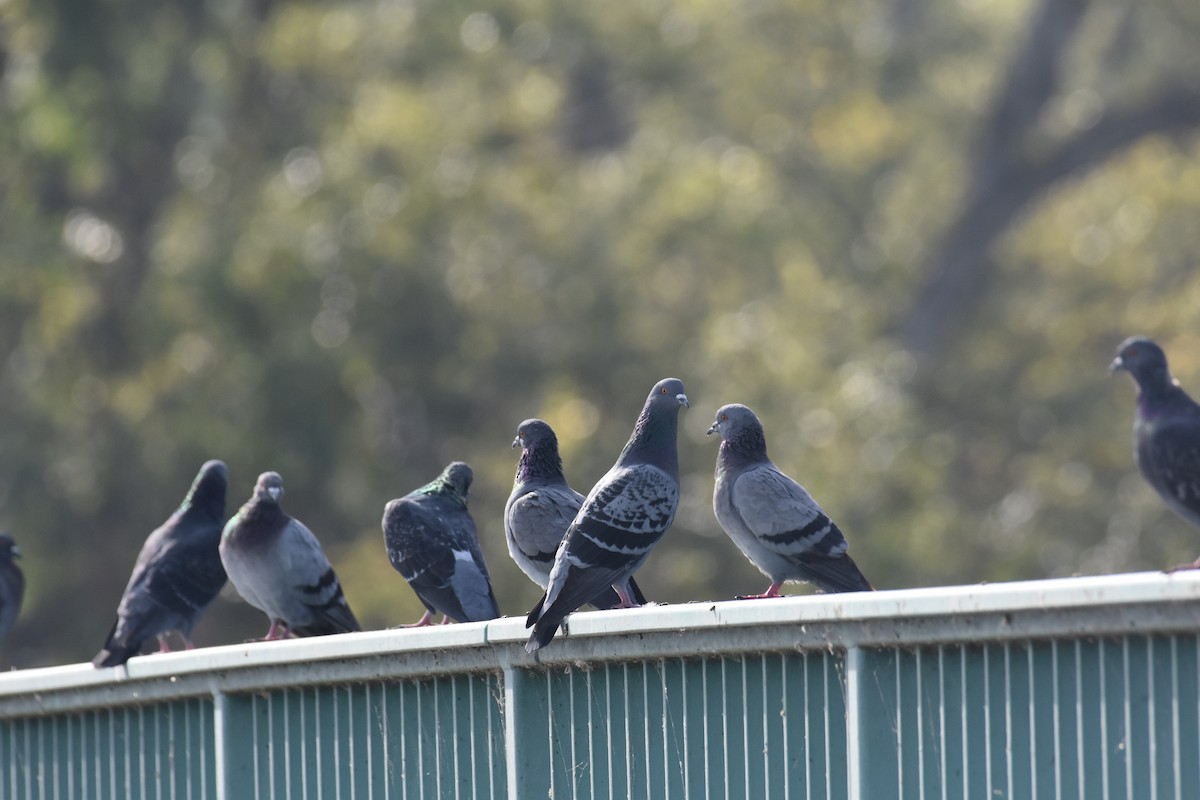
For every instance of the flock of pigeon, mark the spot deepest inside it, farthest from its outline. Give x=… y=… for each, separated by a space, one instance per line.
x=580 y=550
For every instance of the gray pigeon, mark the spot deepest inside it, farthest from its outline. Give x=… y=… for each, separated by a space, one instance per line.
x=177 y=575
x=12 y=583
x=277 y=565
x=1166 y=429
x=622 y=518
x=541 y=507
x=771 y=518
x=430 y=539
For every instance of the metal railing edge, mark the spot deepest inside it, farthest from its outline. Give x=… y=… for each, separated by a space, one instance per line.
x=1094 y=606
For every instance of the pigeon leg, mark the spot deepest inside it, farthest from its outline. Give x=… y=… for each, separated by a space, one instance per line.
x=1183 y=567
x=445 y=619
x=188 y=644
x=426 y=619
x=626 y=600
x=772 y=591
x=163 y=645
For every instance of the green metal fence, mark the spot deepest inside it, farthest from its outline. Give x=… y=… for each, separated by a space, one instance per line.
x=1083 y=688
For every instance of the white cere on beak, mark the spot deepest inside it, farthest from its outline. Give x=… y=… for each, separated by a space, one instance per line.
x=683 y=401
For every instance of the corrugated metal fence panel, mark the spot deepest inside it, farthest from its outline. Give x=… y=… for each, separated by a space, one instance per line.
x=769 y=725
x=1116 y=719
x=1083 y=689
x=437 y=738
x=143 y=752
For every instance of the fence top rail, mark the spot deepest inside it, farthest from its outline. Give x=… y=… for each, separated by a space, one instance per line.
x=1112 y=605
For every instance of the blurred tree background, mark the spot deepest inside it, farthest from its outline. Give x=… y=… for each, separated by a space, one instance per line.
x=353 y=241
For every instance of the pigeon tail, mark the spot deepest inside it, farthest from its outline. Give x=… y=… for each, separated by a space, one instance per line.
x=834 y=575
x=113 y=658
x=543 y=631
x=115 y=653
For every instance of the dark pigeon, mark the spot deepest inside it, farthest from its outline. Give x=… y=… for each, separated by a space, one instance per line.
x=622 y=518
x=177 y=575
x=540 y=510
x=12 y=583
x=773 y=520
x=430 y=539
x=1166 y=428
x=277 y=565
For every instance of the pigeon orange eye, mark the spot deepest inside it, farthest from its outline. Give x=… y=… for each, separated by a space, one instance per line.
x=724 y=418
x=663 y=390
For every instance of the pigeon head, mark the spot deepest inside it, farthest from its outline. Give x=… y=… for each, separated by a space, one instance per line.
x=208 y=489
x=654 y=433
x=453 y=481
x=269 y=488
x=741 y=432
x=539 y=452
x=8 y=548
x=1143 y=359
x=532 y=433
x=458 y=475
x=735 y=419
x=667 y=395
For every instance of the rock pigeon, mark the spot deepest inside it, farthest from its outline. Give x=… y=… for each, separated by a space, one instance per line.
x=1166 y=428
x=12 y=583
x=277 y=565
x=541 y=507
x=622 y=518
x=430 y=539
x=177 y=575
x=770 y=517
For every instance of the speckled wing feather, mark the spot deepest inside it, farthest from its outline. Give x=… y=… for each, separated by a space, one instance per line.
x=1170 y=461
x=783 y=516
x=620 y=522
x=437 y=551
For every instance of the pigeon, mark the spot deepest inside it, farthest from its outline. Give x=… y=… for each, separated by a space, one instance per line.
x=1166 y=429
x=12 y=583
x=622 y=518
x=541 y=507
x=277 y=565
x=771 y=518
x=177 y=575
x=430 y=539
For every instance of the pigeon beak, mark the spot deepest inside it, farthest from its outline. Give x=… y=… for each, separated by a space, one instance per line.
x=516 y=442
x=683 y=401
x=1116 y=366
x=275 y=492
x=16 y=551
x=714 y=428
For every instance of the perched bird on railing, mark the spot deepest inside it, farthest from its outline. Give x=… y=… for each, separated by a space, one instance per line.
x=1166 y=429
x=12 y=583
x=622 y=518
x=773 y=520
x=177 y=575
x=541 y=508
x=431 y=541
x=277 y=566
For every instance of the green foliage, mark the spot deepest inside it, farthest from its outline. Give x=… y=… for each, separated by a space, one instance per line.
x=354 y=241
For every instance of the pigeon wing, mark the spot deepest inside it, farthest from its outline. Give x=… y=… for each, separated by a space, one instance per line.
x=315 y=584
x=441 y=562
x=621 y=520
x=783 y=516
x=785 y=519
x=12 y=592
x=1171 y=461
x=538 y=519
